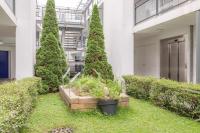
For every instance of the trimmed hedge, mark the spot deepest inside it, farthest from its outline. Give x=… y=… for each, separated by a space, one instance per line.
x=181 y=98
x=16 y=101
x=138 y=86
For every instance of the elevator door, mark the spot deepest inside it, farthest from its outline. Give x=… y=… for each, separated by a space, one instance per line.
x=173 y=59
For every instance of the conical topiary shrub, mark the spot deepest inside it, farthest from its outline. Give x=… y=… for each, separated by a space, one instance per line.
x=48 y=64
x=50 y=25
x=50 y=67
x=96 y=60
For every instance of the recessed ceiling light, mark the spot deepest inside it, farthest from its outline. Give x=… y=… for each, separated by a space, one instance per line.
x=1 y=43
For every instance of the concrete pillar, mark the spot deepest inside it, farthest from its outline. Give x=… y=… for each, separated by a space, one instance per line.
x=25 y=38
x=119 y=36
x=197 y=39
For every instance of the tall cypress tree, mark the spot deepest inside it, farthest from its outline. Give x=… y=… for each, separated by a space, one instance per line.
x=50 y=58
x=50 y=25
x=48 y=64
x=96 y=59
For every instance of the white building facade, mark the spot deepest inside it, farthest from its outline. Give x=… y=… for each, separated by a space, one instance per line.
x=17 y=38
x=159 y=38
x=166 y=39
x=117 y=21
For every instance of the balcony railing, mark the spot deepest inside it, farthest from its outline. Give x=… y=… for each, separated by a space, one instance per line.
x=11 y=5
x=145 y=9
x=64 y=15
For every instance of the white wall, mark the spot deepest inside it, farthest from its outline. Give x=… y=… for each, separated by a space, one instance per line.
x=147 y=58
x=11 y=50
x=118 y=22
x=147 y=52
x=25 y=37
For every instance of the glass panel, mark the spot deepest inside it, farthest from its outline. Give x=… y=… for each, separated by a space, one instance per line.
x=167 y=4
x=145 y=10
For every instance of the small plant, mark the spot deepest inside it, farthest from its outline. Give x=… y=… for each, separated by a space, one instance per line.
x=106 y=91
x=114 y=89
x=97 y=87
x=87 y=85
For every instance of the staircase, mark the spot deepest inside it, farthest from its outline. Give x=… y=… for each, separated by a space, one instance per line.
x=73 y=44
x=71 y=40
x=72 y=24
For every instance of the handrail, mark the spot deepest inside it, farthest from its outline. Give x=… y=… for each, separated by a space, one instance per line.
x=65 y=75
x=75 y=77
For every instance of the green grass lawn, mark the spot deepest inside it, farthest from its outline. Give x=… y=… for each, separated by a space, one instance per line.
x=141 y=117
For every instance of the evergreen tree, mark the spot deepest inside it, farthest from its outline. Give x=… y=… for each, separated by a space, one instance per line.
x=96 y=60
x=50 y=25
x=48 y=64
x=50 y=58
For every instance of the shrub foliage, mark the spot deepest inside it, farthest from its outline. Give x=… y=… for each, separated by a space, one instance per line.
x=181 y=98
x=138 y=86
x=51 y=52
x=96 y=59
x=16 y=101
x=97 y=87
x=48 y=64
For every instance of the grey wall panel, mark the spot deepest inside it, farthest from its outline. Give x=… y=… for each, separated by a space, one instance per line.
x=182 y=64
x=173 y=70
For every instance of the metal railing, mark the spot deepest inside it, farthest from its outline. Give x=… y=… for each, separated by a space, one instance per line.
x=89 y=7
x=11 y=5
x=145 y=9
x=64 y=15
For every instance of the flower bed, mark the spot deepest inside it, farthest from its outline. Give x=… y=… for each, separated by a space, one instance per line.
x=85 y=103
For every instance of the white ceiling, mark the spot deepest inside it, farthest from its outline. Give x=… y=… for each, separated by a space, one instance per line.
x=179 y=22
x=4 y=18
x=7 y=34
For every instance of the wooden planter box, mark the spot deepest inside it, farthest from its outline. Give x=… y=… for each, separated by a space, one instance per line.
x=84 y=103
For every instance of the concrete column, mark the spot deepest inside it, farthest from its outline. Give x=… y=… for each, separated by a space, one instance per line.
x=25 y=38
x=119 y=36
x=197 y=39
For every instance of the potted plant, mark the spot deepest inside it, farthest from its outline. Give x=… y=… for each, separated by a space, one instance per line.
x=108 y=97
x=106 y=91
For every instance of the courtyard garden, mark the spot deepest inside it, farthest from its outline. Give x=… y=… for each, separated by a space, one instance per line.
x=100 y=103
x=140 y=117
